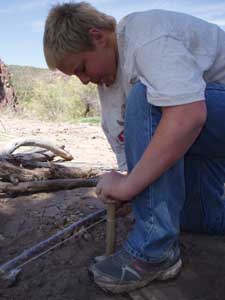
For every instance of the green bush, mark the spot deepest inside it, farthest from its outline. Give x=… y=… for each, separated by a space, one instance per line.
x=55 y=101
x=53 y=96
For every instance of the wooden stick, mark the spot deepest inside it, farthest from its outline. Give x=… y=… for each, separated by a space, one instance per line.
x=15 y=174
x=20 y=158
x=46 y=185
x=110 y=228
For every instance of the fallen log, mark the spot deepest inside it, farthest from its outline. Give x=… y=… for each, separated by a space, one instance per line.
x=15 y=174
x=46 y=185
x=35 y=156
x=60 y=171
x=15 y=144
x=23 y=158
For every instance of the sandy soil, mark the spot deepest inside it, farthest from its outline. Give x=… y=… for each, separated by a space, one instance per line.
x=62 y=274
x=87 y=143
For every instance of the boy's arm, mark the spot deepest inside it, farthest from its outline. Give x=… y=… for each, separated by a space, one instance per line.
x=176 y=132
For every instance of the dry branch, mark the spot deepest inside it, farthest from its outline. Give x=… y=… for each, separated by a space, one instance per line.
x=13 y=145
x=26 y=158
x=38 y=156
x=60 y=171
x=15 y=174
x=32 y=171
x=46 y=185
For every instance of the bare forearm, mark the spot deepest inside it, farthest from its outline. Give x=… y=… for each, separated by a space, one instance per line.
x=171 y=140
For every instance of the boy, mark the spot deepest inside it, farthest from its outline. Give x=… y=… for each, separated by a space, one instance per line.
x=168 y=70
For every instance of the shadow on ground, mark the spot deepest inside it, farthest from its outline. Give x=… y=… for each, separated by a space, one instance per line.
x=62 y=274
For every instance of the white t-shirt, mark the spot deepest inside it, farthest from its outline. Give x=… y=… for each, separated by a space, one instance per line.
x=173 y=54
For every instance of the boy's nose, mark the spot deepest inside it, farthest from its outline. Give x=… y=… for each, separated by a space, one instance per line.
x=84 y=79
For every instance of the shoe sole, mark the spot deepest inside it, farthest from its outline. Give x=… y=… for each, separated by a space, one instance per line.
x=167 y=274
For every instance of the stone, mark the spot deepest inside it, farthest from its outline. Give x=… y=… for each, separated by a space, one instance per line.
x=2 y=238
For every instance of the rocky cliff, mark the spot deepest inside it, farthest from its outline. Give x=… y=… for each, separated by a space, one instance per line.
x=7 y=92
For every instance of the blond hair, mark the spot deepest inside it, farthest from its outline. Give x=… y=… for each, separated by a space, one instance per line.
x=67 y=30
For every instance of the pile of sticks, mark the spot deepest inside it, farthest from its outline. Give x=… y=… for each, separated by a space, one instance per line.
x=36 y=171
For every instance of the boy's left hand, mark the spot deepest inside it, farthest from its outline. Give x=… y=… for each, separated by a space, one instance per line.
x=112 y=187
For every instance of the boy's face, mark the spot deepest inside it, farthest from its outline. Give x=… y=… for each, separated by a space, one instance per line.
x=98 y=66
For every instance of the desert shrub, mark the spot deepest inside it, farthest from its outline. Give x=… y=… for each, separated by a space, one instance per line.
x=55 y=101
x=53 y=96
x=89 y=96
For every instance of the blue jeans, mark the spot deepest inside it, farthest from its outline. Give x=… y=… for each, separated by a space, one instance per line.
x=187 y=197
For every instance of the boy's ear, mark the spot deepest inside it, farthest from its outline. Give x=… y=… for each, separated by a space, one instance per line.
x=98 y=36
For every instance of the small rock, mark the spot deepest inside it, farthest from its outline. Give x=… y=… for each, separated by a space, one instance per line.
x=51 y=211
x=91 y=206
x=22 y=222
x=65 y=220
x=86 y=236
x=2 y=238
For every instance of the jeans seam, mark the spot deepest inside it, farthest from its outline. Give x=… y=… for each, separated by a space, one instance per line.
x=201 y=195
x=150 y=188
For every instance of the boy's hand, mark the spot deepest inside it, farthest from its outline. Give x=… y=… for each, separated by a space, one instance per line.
x=113 y=187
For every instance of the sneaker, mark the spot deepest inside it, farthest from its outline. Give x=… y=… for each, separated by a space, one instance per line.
x=121 y=272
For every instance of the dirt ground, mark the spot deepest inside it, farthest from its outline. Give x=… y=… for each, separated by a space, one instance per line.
x=62 y=274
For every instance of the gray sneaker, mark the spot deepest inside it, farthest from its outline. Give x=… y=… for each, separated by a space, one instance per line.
x=121 y=272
